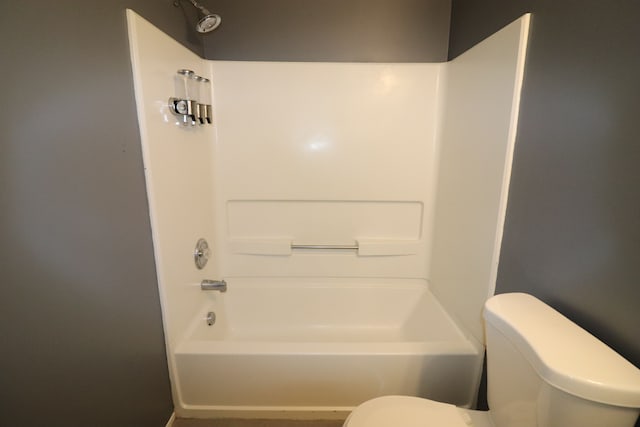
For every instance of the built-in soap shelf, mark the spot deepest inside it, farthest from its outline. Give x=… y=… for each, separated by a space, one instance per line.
x=289 y=247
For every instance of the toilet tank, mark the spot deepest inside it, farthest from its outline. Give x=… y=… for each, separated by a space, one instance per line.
x=545 y=371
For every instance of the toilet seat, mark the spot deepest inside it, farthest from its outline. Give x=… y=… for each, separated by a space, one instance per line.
x=406 y=411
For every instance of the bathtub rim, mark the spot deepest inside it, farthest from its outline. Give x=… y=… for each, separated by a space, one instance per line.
x=340 y=283
x=306 y=413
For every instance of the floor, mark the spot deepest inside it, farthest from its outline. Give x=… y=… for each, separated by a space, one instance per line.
x=192 y=422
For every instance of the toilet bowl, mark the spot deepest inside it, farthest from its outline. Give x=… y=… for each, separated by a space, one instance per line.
x=542 y=371
x=407 y=411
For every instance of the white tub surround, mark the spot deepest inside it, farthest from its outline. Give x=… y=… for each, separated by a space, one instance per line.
x=478 y=135
x=333 y=154
x=178 y=173
x=337 y=199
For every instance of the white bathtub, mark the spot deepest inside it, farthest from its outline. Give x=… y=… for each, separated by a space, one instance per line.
x=319 y=348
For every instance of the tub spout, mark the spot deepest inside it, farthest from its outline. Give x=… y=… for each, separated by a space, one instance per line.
x=213 y=285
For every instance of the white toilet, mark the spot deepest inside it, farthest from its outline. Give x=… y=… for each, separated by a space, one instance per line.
x=543 y=371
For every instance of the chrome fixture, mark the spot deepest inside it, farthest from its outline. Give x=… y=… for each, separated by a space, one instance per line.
x=326 y=247
x=211 y=318
x=192 y=102
x=204 y=112
x=213 y=285
x=201 y=253
x=208 y=22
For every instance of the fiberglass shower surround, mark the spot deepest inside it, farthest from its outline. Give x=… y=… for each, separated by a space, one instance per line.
x=355 y=221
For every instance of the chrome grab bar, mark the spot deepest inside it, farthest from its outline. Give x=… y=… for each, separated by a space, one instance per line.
x=213 y=285
x=326 y=247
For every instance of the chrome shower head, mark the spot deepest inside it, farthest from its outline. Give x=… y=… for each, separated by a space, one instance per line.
x=209 y=21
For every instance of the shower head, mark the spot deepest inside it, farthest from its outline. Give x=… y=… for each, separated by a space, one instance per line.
x=208 y=22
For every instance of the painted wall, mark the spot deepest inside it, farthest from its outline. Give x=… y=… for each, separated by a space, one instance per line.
x=82 y=340
x=572 y=227
x=330 y=30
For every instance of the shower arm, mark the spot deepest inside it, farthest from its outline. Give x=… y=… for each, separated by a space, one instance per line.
x=201 y=8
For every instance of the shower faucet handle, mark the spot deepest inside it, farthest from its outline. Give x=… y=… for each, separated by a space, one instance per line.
x=213 y=285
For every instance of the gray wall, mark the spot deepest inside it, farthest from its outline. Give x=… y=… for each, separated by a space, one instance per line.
x=572 y=234
x=80 y=322
x=330 y=30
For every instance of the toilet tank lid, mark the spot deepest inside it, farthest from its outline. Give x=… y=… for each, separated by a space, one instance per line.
x=564 y=355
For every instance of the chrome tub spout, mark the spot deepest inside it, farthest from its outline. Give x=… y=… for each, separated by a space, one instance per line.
x=213 y=285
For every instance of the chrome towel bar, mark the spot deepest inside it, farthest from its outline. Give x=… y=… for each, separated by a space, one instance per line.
x=326 y=247
x=361 y=247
